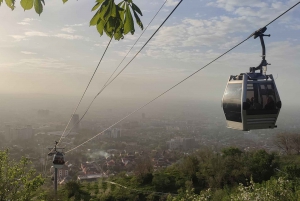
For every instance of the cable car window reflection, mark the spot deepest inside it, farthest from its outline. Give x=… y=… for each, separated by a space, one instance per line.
x=261 y=97
x=253 y=97
x=232 y=102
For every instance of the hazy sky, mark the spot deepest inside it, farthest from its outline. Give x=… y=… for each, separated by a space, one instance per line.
x=57 y=52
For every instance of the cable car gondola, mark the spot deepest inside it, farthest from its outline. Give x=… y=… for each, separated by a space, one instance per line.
x=58 y=157
x=58 y=160
x=251 y=100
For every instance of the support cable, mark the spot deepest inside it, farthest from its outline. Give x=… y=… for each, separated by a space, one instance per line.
x=145 y=43
x=108 y=82
x=282 y=14
x=85 y=90
x=137 y=190
x=178 y=82
x=133 y=45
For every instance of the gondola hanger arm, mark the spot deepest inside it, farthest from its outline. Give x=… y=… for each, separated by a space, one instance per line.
x=260 y=33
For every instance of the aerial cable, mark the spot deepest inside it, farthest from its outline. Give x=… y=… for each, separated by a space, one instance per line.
x=46 y=164
x=135 y=43
x=85 y=90
x=283 y=14
x=105 y=85
x=129 y=63
x=137 y=190
x=178 y=82
x=108 y=82
x=146 y=43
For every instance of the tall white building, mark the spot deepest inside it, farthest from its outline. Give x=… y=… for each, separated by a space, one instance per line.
x=113 y=133
x=116 y=133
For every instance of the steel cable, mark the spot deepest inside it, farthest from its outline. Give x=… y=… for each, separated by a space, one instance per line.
x=180 y=81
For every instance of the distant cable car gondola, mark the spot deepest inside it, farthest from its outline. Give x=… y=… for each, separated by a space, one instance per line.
x=58 y=160
x=251 y=100
x=58 y=157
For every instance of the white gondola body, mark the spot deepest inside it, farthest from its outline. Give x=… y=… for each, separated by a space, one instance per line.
x=247 y=103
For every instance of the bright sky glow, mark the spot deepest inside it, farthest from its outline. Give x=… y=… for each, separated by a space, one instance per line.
x=57 y=52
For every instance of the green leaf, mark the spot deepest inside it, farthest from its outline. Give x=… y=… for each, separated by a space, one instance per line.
x=137 y=9
x=118 y=35
x=10 y=4
x=96 y=6
x=95 y=19
x=138 y=20
x=110 y=26
x=105 y=10
x=121 y=3
x=128 y=25
x=100 y=27
x=64 y=1
x=109 y=11
x=38 y=6
x=113 y=10
x=26 y=4
x=99 y=2
x=119 y=30
x=116 y=20
x=121 y=10
x=1 y=2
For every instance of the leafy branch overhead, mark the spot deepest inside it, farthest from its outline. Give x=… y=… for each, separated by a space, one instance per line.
x=116 y=20
x=28 y=4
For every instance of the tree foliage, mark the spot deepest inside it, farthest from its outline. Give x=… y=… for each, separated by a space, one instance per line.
x=289 y=143
x=18 y=180
x=116 y=20
x=74 y=190
x=232 y=174
x=279 y=189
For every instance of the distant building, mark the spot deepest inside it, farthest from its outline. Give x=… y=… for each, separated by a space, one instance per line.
x=113 y=133
x=131 y=125
x=90 y=171
x=181 y=143
x=172 y=128
x=116 y=133
x=63 y=172
x=161 y=162
x=59 y=133
x=90 y=168
x=174 y=143
x=18 y=133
